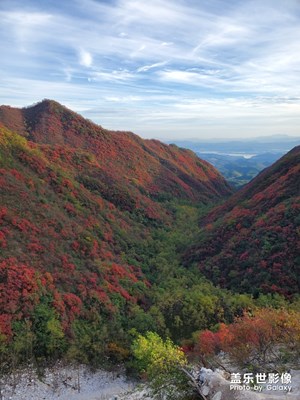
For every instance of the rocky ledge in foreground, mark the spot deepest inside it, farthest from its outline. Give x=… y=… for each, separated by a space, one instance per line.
x=80 y=383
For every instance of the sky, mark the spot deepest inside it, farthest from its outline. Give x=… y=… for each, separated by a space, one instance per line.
x=167 y=69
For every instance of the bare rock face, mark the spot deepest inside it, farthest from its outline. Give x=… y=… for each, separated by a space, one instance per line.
x=217 y=396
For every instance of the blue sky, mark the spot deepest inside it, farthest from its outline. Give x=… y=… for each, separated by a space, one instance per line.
x=160 y=68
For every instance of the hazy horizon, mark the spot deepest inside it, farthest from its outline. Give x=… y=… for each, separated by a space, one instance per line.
x=169 y=70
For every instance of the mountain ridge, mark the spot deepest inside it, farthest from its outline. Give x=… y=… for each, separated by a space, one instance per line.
x=251 y=242
x=48 y=122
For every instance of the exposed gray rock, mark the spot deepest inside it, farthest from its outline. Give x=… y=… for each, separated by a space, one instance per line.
x=205 y=390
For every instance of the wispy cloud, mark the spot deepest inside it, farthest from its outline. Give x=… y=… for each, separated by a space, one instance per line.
x=163 y=66
x=146 y=68
x=112 y=76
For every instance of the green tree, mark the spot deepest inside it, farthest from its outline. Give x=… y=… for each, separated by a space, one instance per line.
x=49 y=338
x=90 y=338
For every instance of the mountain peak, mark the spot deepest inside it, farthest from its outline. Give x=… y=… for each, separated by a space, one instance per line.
x=47 y=105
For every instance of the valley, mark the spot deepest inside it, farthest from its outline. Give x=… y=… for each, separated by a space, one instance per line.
x=106 y=236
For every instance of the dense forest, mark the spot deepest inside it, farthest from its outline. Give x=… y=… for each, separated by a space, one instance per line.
x=251 y=242
x=104 y=236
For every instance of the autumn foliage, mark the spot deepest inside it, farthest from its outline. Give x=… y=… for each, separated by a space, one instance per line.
x=251 y=242
x=90 y=239
x=268 y=337
x=79 y=208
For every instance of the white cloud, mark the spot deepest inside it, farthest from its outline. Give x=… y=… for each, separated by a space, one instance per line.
x=187 y=77
x=85 y=58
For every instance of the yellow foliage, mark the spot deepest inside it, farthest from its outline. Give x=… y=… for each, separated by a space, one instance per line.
x=157 y=356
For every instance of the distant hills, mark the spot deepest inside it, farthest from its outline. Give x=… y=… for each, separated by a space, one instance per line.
x=239 y=170
x=251 y=242
x=257 y=145
x=239 y=161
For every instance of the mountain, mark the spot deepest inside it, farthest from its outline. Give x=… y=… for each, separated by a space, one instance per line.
x=251 y=242
x=147 y=168
x=83 y=212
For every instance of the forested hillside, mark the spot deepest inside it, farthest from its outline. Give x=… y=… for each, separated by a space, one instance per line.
x=94 y=225
x=89 y=235
x=251 y=242
x=140 y=170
